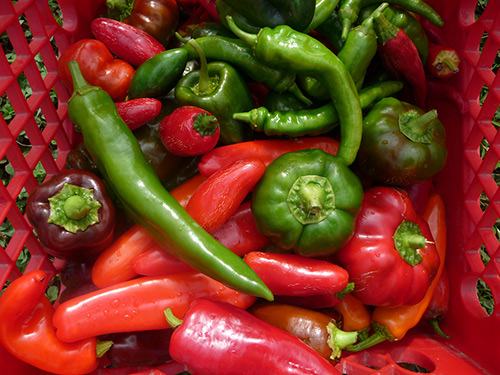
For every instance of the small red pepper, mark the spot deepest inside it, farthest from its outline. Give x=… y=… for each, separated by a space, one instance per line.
x=98 y=66
x=391 y=257
x=138 y=112
x=356 y=316
x=127 y=42
x=443 y=62
x=295 y=275
x=138 y=304
x=220 y=195
x=265 y=150
x=220 y=339
x=26 y=329
x=439 y=305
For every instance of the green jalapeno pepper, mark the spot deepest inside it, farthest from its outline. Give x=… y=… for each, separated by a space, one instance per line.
x=286 y=48
x=307 y=202
x=142 y=195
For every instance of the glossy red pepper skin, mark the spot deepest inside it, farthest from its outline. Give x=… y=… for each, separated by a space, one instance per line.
x=220 y=195
x=265 y=150
x=217 y=338
x=439 y=304
x=156 y=262
x=26 y=329
x=380 y=274
x=138 y=304
x=127 y=42
x=295 y=275
x=98 y=66
x=138 y=112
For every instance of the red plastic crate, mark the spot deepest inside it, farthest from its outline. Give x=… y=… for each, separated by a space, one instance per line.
x=467 y=178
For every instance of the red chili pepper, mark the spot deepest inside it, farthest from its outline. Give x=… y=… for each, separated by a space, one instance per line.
x=239 y=233
x=401 y=59
x=443 y=62
x=391 y=257
x=265 y=150
x=220 y=195
x=138 y=112
x=295 y=275
x=127 y=42
x=211 y=9
x=184 y=191
x=189 y=131
x=156 y=262
x=98 y=66
x=138 y=304
x=218 y=339
x=26 y=329
x=439 y=304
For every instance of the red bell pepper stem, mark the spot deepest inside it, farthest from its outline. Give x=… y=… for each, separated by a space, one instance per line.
x=295 y=275
x=127 y=42
x=265 y=150
x=219 y=339
x=443 y=62
x=220 y=195
x=138 y=112
x=26 y=329
x=137 y=305
x=401 y=59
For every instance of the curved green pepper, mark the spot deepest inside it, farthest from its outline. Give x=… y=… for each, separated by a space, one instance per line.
x=286 y=48
x=402 y=145
x=142 y=195
x=307 y=202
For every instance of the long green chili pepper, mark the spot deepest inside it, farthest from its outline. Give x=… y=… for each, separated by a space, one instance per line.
x=286 y=48
x=136 y=185
x=324 y=8
x=311 y=121
x=416 y=6
x=348 y=14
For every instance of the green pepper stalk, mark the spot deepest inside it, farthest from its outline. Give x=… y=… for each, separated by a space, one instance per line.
x=142 y=195
x=289 y=49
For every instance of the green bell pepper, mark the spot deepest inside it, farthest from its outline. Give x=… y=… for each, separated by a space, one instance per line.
x=402 y=145
x=307 y=202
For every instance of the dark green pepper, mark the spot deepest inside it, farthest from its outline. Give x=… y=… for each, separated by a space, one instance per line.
x=218 y=88
x=307 y=202
x=142 y=195
x=286 y=48
x=402 y=145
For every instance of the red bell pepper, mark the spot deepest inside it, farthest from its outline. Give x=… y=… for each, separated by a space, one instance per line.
x=138 y=304
x=265 y=150
x=217 y=338
x=26 y=329
x=391 y=257
x=138 y=112
x=98 y=66
x=295 y=275
x=127 y=42
x=220 y=195
x=443 y=62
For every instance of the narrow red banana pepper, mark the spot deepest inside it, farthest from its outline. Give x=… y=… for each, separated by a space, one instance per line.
x=239 y=233
x=138 y=112
x=220 y=339
x=138 y=304
x=220 y=195
x=98 y=66
x=26 y=329
x=391 y=257
x=127 y=42
x=295 y=275
x=157 y=262
x=265 y=150
x=443 y=62
x=401 y=59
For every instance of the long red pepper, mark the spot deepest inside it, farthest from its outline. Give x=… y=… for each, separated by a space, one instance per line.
x=138 y=304
x=401 y=59
x=138 y=112
x=439 y=304
x=156 y=262
x=216 y=338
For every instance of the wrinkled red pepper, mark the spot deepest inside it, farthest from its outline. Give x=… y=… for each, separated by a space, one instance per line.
x=391 y=257
x=217 y=338
x=98 y=66
x=26 y=329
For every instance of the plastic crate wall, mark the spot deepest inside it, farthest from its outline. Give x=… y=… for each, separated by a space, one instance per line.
x=466 y=180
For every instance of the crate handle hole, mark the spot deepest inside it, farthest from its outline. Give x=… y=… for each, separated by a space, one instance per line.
x=413 y=360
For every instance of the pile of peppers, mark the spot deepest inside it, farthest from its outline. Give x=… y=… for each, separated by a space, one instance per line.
x=313 y=228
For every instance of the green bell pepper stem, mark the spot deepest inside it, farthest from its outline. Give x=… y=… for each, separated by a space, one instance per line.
x=417 y=127
x=286 y=48
x=140 y=192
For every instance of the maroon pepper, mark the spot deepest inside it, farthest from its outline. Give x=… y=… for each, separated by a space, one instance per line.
x=72 y=214
x=138 y=112
x=400 y=58
x=216 y=338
